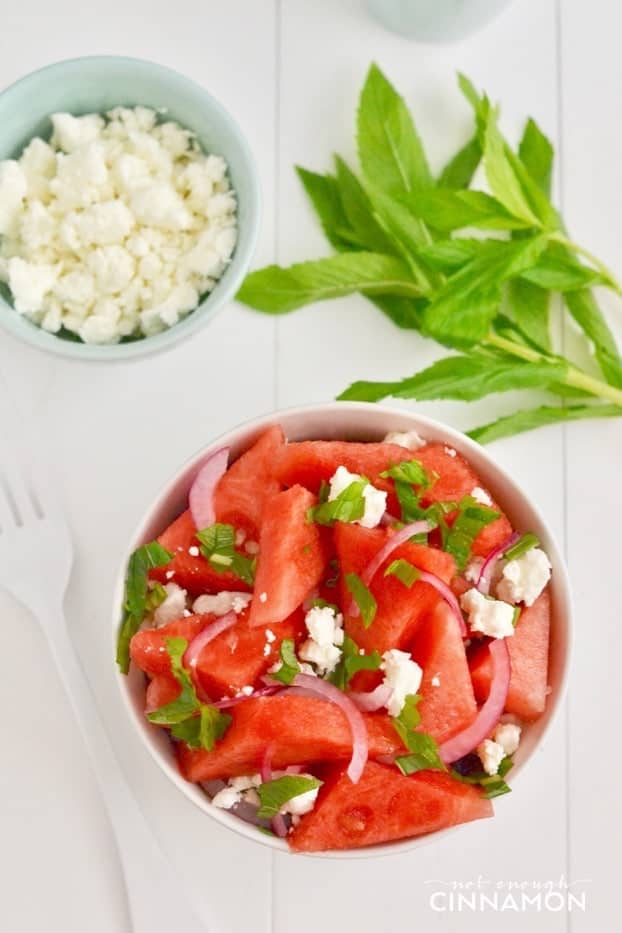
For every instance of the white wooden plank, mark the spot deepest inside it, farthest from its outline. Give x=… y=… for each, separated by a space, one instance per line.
x=113 y=435
x=591 y=72
x=326 y=49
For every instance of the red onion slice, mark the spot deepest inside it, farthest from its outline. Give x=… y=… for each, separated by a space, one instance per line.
x=198 y=643
x=489 y=714
x=201 y=496
x=487 y=568
x=360 y=743
x=446 y=593
x=372 y=701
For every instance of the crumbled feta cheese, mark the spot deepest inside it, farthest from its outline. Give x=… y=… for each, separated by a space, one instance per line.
x=375 y=499
x=323 y=647
x=270 y=636
x=488 y=616
x=266 y=650
x=450 y=451
x=480 y=495
x=303 y=803
x=436 y=681
x=524 y=578
x=410 y=439
x=193 y=551
x=173 y=606
x=473 y=569
x=169 y=574
x=507 y=735
x=226 y=798
x=240 y=537
x=222 y=603
x=134 y=205
x=245 y=691
x=491 y=754
x=245 y=781
x=403 y=675
x=263 y=597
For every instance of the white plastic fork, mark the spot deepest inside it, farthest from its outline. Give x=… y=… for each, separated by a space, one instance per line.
x=36 y=556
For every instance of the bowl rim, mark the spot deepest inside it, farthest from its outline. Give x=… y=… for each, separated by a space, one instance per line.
x=411 y=420
x=229 y=282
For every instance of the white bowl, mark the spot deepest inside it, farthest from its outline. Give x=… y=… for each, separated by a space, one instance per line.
x=366 y=422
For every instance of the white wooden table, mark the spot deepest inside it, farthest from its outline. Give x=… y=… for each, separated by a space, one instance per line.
x=290 y=71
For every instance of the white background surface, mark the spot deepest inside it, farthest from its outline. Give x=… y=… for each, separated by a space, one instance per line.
x=290 y=72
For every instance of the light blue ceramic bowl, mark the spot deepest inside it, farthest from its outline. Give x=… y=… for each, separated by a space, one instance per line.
x=94 y=85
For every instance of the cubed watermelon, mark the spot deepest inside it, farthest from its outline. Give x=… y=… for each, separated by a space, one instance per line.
x=292 y=556
x=148 y=646
x=400 y=608
x=192 y=573
x=244 y=489
x=385 y=805
x=529 y=656
x=162 y=689
x=307 y=463
x=448 y=703
x=298 y=730
x=455 y=480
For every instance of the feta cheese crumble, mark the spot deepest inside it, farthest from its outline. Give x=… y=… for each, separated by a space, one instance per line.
x=488 y=616
x=173 y=607
x=410 y=439
x=524 y=578
x=238 y=789
x=480 y=495
x=507 y=735
x=375 y=499
x=491 y=754
x=114 y=228
x=403 y=675
x=323 y=647
x=222 y=603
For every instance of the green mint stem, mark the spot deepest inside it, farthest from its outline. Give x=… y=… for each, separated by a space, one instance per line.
x=574 y=377
x=593 y=260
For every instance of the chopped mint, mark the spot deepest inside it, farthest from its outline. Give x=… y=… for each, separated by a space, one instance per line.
x=352 y=661
x=404 y=571
x=409 y=718
x=363 y=598
x=275 y=794
x=469 y=771
x=409 y=471
x=218 y=546
x=156 y=595
x=136 y=595
x=323 y=491
x=289 y=662
x=472 y=517
x=422 y=748
x=348 y=506
x=517 y=613
x=198 y=724
x=525 y=543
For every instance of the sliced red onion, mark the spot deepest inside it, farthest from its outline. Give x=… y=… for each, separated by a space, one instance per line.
x=488 y=716
x=388 y=519
x=266 y=691
x=201 y=496
x=205 y=636
x=446 y=593
x=373 y=700
x=486 y=570
x=360 y=743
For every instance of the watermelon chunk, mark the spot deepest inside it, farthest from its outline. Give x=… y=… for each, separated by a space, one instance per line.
x=292 y=556
x=385 y=805
x=249 y=482
x=193 y=574
x=455 y=480
x=400 y=609
x=529 y=655
x=162 y=689
x=298 y=730
x=448 y=703
x=148 y=646
x=307 y=463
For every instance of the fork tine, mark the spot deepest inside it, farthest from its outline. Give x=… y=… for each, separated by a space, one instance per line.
x=14 y=479
x=16 y=472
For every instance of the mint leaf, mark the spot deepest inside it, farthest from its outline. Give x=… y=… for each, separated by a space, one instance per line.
x=466 y=378
x=536 y=153
x=459 y=171
x=136 y=595
x=359 y=211
x=204 y=730
x=561 y=273
x=352 y=661
x=528 y=307
x=156 y=594
x=390 y=151
x=323 y=192
x=278 y=290
x=275 y=794
x=502 y=177
x=363 y=598
x=469 y=771
x=404 y=312
x=289 y=662
x=472 y=518
x=218 y=546
x=584 y=309
x=408 y=719
x=423 y=756
x=404 y=571
x=463 y=309
x=525 y=543
x=348 y=506
x=446 y=210
x=530 y=418
x=405 y=231
x=408 y=471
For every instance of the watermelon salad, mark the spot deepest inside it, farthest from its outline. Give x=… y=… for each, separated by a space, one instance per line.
x=344 y=641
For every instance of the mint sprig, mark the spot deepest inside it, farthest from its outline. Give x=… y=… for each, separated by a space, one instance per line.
x=423 y=751
x=363 y=597
x=137 y=596
x=275 y=794
x=218 y=547
x=397 y=229
x=352 y=661
x=348 y=506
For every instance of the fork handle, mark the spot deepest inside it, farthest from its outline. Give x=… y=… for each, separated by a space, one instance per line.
x=155 y=895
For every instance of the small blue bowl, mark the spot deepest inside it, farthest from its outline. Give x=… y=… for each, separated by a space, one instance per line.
x=97 y=84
